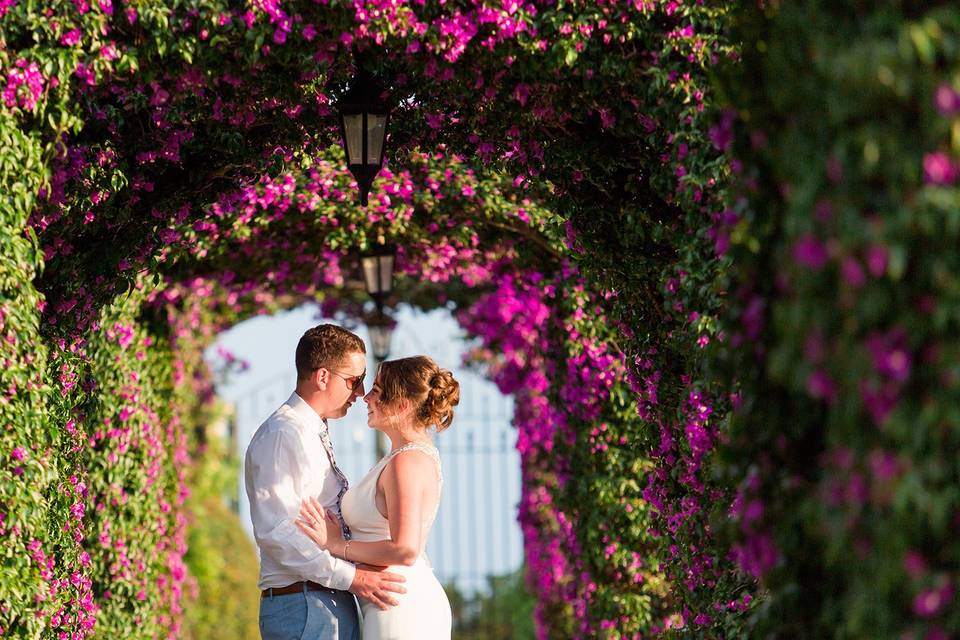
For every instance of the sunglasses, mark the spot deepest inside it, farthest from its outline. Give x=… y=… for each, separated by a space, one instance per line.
x=357 y=381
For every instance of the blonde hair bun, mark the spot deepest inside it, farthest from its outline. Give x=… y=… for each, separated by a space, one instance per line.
x=443 y=396
x=433 y=391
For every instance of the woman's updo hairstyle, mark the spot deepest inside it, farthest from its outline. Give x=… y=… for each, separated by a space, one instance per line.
x=433 y=391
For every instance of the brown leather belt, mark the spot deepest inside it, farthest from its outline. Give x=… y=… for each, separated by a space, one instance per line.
x=296 y=587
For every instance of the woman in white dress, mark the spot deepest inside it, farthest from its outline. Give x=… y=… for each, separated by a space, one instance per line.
x=390 y=511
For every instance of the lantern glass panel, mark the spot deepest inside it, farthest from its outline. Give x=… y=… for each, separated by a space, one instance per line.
x=353 y=132
x=376 y=132
x=378 y=274
x=386 y=273
x=381 y=337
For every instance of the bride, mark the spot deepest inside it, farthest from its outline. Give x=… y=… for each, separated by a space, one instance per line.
x=390 y=511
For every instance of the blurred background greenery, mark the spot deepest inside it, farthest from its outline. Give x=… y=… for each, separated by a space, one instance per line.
x=221 y=558
x=503 y=611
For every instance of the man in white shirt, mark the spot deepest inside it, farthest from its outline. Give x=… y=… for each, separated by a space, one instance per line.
x=306 y=592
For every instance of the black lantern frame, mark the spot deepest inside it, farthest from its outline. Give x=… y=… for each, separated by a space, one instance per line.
x=364 y=114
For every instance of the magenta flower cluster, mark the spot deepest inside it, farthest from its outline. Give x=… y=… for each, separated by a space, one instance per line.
x=24 y=85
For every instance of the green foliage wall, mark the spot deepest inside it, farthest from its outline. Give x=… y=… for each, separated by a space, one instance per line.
x=27 y=473
x=92 y=488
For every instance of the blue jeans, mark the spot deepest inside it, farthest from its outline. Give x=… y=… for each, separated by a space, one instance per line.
x=310 y=615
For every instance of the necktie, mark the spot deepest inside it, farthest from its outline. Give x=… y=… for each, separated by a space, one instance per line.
x=342 y=479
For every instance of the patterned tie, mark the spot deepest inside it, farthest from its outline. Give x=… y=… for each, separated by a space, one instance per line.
x=344 y=485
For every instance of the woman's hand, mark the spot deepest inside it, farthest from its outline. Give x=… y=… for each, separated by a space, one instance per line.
x=323 y=528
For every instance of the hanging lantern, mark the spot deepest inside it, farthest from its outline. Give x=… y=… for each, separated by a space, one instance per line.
x=364 y=114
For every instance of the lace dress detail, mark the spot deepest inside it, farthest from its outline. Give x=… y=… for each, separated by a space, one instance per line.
x=426 y=447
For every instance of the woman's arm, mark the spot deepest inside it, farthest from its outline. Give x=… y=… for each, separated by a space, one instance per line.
x=406 y=482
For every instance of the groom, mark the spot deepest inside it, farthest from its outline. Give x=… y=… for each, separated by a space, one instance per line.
x=306 y=592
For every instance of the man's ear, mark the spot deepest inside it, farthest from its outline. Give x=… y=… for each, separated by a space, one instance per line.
x=321 y=378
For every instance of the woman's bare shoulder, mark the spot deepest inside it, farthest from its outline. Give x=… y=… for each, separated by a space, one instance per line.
x=412 y=464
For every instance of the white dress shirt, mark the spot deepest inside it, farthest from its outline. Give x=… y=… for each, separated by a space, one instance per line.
x=284 y=464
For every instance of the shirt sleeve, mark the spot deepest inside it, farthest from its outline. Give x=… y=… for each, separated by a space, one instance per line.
x=274 y=466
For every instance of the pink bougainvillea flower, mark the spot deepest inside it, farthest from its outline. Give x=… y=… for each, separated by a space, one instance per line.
x=852 y=272
x=607 y=119
x=879 y=399
x=937 y=632
x=721 y=134
x=821 y=386
x=757 y=555
x=930 y=602
x=70 y=38
x=521 y=93
x=877 y=258
x=940 y=169
x=24 y=85
x=890 y=355
x=808 y=251
x=914 y=564
x=883 y=465
x=947 y=100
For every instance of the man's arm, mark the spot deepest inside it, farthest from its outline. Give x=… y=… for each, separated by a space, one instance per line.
x=275 y=494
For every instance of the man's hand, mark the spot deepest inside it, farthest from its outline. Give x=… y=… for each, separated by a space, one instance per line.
x=375 y=585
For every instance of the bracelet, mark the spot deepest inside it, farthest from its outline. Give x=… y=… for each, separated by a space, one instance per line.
x=346 y=546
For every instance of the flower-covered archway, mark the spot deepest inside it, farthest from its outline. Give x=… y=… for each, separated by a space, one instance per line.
x=206 y=183
x=561 y=173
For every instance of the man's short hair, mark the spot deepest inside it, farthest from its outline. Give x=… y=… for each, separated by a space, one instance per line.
x=325 y=346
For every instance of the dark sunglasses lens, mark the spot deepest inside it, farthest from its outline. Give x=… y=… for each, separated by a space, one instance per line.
x=358 y=383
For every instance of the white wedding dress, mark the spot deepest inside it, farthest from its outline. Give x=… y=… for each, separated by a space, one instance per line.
x=424 y=611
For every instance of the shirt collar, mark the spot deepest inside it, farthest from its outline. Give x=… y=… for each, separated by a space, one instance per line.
x=305 y=412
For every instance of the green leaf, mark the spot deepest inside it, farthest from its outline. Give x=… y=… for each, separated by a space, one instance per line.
x=922 y=43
